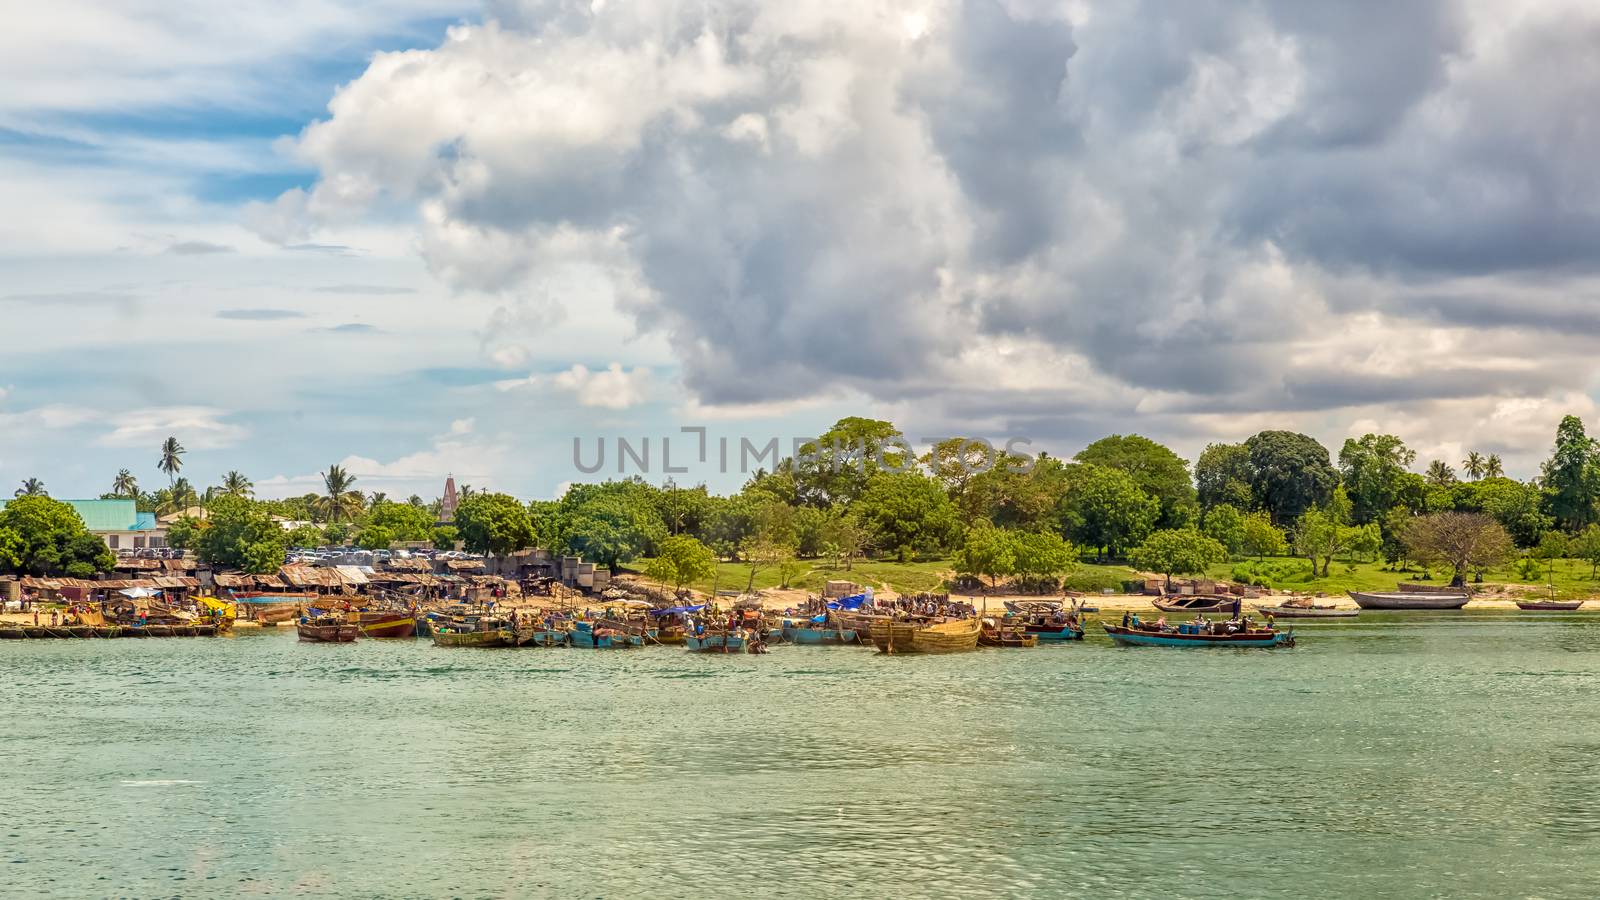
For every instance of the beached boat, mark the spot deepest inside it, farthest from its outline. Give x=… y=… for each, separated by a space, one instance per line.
x=1199 y=603
x=444 y=636
x=1309 y=611
x=1000 y=633
x=1187 y=637
x=1549 y=605
x=805 y=631
x=328 y=630
x=387 y=624
x=950 y=636
x=1408 y=600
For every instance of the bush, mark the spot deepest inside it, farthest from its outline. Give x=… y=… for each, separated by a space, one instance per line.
x=1273 y=573
x=1092 y=581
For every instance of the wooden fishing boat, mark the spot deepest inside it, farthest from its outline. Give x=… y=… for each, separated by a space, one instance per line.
x=443 y=636
x=598 y=636
x=1047 y=620
x=327 y=630
x=381 y=624
x=950 y=636
x=272 y=609
x=1408 y=600
x=1199 y=603
x=1549 y=605
x=1257 y=637
x=546 y=637
x=816 y=634
x=1312 y=611
x=715 y=642
x=998 y=633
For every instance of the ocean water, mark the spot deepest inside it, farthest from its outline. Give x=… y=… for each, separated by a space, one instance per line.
x=1396 y=755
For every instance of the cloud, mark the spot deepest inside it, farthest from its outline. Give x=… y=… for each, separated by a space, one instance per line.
x=352 y=328
x=259 y=315
x=375 y=290
x=196 y=427
x=469 y=460
x=197 y=248
x=74 y=298
x=610 y=388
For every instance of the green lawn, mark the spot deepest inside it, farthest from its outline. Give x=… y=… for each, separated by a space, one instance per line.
x=1572 y=577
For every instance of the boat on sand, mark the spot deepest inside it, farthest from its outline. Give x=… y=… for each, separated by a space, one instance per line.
x=1408 y=600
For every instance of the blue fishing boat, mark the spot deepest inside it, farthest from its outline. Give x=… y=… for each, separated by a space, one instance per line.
x=1193 y=636
x=584 y=636
x=811 y=632
x=712 y=642
x=546 y=637
x=1048 y=620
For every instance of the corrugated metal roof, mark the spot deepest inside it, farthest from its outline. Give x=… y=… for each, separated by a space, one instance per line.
x=105 y=515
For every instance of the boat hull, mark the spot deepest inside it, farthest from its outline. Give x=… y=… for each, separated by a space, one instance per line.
x=503 y=637
x=1551 y=605
x=584 y=639
x=1307 y=612
x=1190 y=605
x=1418 y=600
x=342 y=633
x=818 y=636
x=714 y=643
x=1052 y=635
x=388 y=625
x=1256 y=640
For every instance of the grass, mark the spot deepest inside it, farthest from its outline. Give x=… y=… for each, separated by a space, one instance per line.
x=1572 y=577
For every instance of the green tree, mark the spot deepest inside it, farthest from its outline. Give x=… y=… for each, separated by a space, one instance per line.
x=336 y=533
x=1474 y=465
x=683 y=510
x=494 y=524
x=1016 y=494
x=305 y=536
x=184 y=534
x=242 y=536
x=340 y=502
x=1518 y=507
x=1105 y=509
x=1157 y=471
x=1552 y=546
x=1374 y=469
x=31 y=487
x=1262 y=538
x=402 y=521
x=235 y=484
x=445 y=537
x=1461 y=541
x=42 y=536
x=1440 y=474
x=1177 y=551
x=907 y=513
x=1586 y=546
x=375 y=537
x=954 y=462
x=681 y=560
x=1325 y=532
x=1289 y=473
x=125 y=485
x=1222 y=475
x=987 y=552
x=837 y=467
x=1042 y=558
x=1225 y=524
x=1493 y=468
x=1571 y=476
x=611 y=523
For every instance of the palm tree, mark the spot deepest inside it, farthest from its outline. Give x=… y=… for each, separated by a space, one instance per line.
x=171 y=458
x=1473 y=465
x=1492 y=467
x=125 y=485
x=1440 y=473
x=376 y=497
x=32 y=487
x=179 y=497
x=236 y=485
x=338 y=501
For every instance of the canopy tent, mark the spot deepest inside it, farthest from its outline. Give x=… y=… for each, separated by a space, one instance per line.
x=139 y=592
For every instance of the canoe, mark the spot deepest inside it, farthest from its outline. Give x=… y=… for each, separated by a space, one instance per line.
x=1130 y=637
x=1549 y=605
x=328 y=632
x=1009 y=637
x=1196 y=604
x=1408 y=600
x=954 y=636
x=813 y=634
x=1052 y=633
x=500 y=637
x=714 y=643
x=387 y=625
x=1307 y=612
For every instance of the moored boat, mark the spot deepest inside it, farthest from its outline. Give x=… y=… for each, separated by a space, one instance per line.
x=812 y=633
x=949 y=636
x=1000 y=633
x=600 y=636
x=387 y=624
x=1047 y=620
x=445 y=636
x=1287 y=611
x=327 y=630
x=1408 y=600
x=1550 y=605
x=716 y=642
x=1187 y=636
x=1199 y=603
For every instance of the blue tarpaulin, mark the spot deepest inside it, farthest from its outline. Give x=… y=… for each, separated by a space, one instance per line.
x=853 y=601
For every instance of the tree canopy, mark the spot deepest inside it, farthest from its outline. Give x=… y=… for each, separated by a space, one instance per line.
x=41 y=536
x=1177 y=551
x=1157 y=471
x=1289 y=473
x=1461 y=541
x=907 y=513
x=495 y=524
x=1104 y=508
x=242 y=536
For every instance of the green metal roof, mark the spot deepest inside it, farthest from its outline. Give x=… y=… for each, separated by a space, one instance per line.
x=106 y=515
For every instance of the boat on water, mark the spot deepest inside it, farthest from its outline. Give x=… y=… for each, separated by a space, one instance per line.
x=1047 y=620
x=272 y=609
x=327 y=630
x=1198 y=603
x=1003 y=633
x=1193 y=636
x=386 y=624
x=813 y=633
x=723 y=642
x=602 y=635
x=1550 y=605
x=1290 y=609
x=1408 y=600
x=448 y=636
x=919 y=636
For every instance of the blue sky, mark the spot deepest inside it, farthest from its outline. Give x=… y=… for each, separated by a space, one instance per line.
x=422 y=237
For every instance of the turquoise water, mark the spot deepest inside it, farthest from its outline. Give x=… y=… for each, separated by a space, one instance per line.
x=1397 y=755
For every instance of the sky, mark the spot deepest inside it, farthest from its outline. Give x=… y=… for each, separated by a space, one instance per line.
x=431 y=237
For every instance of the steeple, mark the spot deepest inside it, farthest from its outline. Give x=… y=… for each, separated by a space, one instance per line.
x=447 y=507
